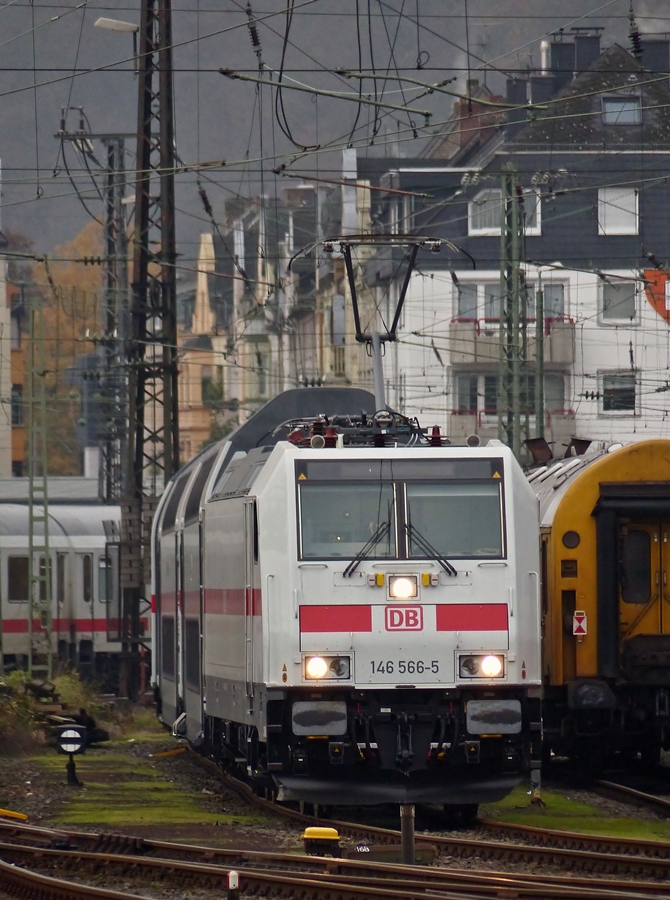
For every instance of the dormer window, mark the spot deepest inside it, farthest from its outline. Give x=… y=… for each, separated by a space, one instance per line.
x=622 y=110
x=485 y=212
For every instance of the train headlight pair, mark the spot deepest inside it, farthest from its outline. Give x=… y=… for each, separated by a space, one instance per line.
x=320 y=668
x=485 y=666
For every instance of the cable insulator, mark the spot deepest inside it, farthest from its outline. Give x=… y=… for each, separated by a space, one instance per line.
x=634 y=36
x=205 y=202
x=255 y=40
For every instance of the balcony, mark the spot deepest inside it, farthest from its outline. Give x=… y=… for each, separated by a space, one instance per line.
x=478 y=341
x=559 y=427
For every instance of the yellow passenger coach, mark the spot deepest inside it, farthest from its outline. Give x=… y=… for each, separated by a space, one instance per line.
x=605 y=539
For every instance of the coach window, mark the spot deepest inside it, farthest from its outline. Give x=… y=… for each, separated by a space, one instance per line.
x=339 y=520
x=17 y=579
x=60 y=577
x=458 y=520
x=87 y=578
x=105 y=580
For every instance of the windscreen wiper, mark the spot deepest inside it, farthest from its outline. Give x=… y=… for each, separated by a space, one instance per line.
x=367 y=548
x=428 y=548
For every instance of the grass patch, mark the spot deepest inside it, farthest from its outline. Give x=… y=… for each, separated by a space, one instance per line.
x=564 y=813
x=125 y=791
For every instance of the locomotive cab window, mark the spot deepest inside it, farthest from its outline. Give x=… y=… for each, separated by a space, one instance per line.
x=458 y=520
x=453 y=507
x=339 y=520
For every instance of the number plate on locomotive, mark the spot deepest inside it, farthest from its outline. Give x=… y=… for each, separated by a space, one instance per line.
x=404 y=667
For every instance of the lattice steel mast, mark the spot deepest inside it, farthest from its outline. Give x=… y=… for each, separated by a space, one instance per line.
x=114 y=390
x=40 y=614
x=153 y=435
x=513 y=373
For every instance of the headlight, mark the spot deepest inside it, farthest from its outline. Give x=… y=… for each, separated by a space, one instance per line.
x=316 y=667
x=484 y=666
x=324 y=668
x=492 y=666
x=403 y=587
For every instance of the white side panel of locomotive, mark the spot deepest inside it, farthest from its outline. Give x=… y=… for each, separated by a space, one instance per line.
x=224 y=591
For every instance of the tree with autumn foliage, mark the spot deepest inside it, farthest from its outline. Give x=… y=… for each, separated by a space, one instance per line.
x=69 y=290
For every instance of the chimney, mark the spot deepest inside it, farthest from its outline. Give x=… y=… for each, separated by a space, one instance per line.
x=562 y=63
x=587 y=51
x=541 y=88
x=516 y=96
x=545 y=56
x=656 y=56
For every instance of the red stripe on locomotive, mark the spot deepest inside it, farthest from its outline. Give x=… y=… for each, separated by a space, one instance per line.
x=231 y=601
x=335 y=618
x=471 y=617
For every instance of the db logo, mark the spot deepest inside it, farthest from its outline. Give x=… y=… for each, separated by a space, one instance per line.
x=404 y=618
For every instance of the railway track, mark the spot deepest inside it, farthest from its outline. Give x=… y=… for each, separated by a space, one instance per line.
x=158 y=863
x=572 y=850
x=628 y=793
x=61 y=857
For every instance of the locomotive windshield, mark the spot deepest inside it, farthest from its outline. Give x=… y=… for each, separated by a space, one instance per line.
x=340 y=519
x=459 y=520
x=452 y=507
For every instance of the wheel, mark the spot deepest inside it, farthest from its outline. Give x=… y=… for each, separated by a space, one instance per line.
x=650 y=754
x=469 y=813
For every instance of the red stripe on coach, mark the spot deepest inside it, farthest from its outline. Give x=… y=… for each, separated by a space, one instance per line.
x=471 y=617
x=61 y=626
x=335 y=618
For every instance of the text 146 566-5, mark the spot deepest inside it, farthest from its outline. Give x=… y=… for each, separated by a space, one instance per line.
x=404 y=667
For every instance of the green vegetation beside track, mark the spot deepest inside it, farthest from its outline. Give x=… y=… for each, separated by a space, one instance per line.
x=566 y=812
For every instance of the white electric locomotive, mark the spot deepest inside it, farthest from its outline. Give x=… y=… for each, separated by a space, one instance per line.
x=349 y=610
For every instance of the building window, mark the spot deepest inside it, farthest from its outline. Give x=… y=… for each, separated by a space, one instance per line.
x=618 y=301
x=617 y=211
x=619 y=392
x=466 y=301
x=258 y=370
x=622 y=111
x=478 y=394
x=554 y=393
x=554 y=300
x=17 y=404
x=466 y=389
x=491 y=395
x=15 y=331
x=337 y=321
x=492 y=301
x=485 y=212
x=531 y=202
